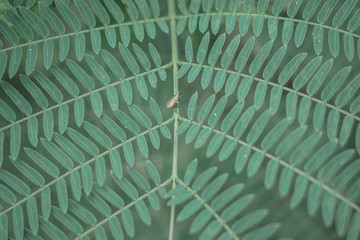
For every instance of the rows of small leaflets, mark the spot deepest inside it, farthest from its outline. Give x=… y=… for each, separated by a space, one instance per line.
x=311 y=150
x=67 y=147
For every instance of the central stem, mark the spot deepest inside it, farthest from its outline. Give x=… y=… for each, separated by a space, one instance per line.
x=174 y=49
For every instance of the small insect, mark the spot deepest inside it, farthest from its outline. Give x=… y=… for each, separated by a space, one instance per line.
x=173 y=101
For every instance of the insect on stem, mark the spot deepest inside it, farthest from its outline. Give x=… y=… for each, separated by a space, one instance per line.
x=173 y=101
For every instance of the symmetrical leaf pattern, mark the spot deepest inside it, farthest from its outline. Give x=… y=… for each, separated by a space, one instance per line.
x=264 y=144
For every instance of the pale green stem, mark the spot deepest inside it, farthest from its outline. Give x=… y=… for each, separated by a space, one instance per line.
x=174 y=49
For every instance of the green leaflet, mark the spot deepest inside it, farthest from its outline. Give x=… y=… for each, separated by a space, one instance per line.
x=79 y=111
x=95 y=40
x=249 y=220
x=348 y=92
x=19 y=25
x=273 y=26
x=129 y=59
x=115 y=10
x=86 y=13
x=230 y=52
x=87 y=179
x=142 y=87
x=203 y=178
x=126 y=186
x=274 y=134
x=259 y=233
x=291 y=102
x=15 y=61
x=98 y=135
x=79 y=46
x=100 y=12
x=189 y=49
x=216 y=49
x=289 y=141
x=287 y=31
x=243 y=121
x=139 y=179
x=318 y=33
x=206 y=77
x=205 y=109
x=51 y=229
x=258 y=127
x=334 y=42
x=192 y=133
x=151 y=30
x=300 y=153
x=143 y=59
x=244 y=88
x=258 y=24
x=115 y=228
x=260 y=93
x=139 y=31
x=231 y=83
x=231 y=117
x=57 y=153
x=70 y=222
x=217 y=111
x=62 y=194
x=300 y=33
x=96 y=103
x=140 y=116
x=64 y=46
x=305 y=74
x=244 y=54
x=8 y=33
x=153 y=172
x=97 y=69
x=194 y=72
x=69 y=148
x=100 y=169
x=48 y=52
x=219 y=80
x=3 y=58
x=15 y=140
x=48 y=124
x=128 y=222
x=271 y=173
x=215 y=23
x=143 y=146
x=42 y=162
x=109 y=195
x=32 y=213
x=75 y=181
x=18 y=221
x=35 y=92
x=274 y=63
x=143 y=212
x=68 y=15
x=80 y=74
x=290 y=68
x=203 y=48
x=127 y=121
x=31 y=57
x=155 y=110
x=83 y=142
x=65 y=81
x=285 y=181
x=129 y=153
x=17 y=98
x=334 y=84
x=214 y=144
x=17 y=184
x=82 y=213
